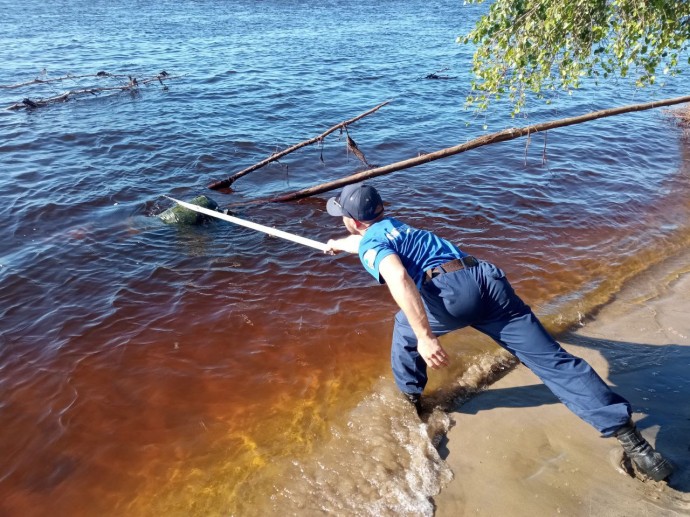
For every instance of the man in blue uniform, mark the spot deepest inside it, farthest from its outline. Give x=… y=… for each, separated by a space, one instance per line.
x=440 y=289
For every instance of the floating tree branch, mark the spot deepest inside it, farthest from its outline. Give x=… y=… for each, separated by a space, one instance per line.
x=275 y=156
x=435 y=75
x=132 y=85
x=38 y=80
x=500 y=136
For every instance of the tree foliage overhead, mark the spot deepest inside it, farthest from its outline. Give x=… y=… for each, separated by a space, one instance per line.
x=549 y=45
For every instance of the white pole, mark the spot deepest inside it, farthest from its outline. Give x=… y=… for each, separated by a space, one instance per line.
x=254 y=226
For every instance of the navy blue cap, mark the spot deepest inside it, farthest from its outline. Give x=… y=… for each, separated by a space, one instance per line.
x=357 y=201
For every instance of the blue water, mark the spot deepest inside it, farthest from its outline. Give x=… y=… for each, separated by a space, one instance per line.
x=122 y=339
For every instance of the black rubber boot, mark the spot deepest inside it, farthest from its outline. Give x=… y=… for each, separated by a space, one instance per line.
x=646 y=459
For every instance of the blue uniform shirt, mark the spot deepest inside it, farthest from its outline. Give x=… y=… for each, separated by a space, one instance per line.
x=418 y=250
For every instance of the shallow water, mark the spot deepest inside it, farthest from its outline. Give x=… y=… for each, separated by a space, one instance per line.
x=210 y=370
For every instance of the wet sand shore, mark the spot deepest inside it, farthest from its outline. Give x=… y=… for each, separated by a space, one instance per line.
x=516 y=450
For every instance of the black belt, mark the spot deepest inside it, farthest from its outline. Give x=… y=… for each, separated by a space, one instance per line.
x=454 y=265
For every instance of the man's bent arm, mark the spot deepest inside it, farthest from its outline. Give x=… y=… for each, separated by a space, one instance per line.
x=406 y=295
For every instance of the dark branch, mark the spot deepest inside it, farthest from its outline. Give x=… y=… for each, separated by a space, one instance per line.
x=501 y=136
x=275 y=156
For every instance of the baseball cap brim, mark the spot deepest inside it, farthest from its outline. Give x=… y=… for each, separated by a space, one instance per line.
x=333 y=207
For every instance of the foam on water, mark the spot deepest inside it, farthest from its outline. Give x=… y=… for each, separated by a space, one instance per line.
x=380 y=461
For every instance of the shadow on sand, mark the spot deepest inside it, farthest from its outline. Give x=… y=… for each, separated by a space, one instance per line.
x=654 y=378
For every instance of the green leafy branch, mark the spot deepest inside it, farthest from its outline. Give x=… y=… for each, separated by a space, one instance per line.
x=544 y=46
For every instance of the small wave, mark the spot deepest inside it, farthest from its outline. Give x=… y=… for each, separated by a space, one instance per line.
x=380 y=462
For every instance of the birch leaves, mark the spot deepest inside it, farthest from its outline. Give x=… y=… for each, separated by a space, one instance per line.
x=542 y=46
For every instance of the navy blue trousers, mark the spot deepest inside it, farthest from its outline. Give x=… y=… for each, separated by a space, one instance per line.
x=482 y=297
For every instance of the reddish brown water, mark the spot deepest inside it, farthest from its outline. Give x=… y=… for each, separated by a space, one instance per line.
x=221 y=356
x=148 y=369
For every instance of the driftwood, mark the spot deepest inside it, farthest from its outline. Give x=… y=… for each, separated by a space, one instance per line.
x=500 y=136
x=132 y=85
x=67 y=77
x=435 y=75
x=275 y=156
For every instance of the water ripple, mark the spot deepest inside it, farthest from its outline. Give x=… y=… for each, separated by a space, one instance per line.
x=133 y=352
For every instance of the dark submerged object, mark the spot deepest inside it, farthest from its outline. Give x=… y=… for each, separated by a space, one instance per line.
x=180 y=215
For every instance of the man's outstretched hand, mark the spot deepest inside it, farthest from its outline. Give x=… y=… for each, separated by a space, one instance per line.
x=433 y=353
x=349 y=244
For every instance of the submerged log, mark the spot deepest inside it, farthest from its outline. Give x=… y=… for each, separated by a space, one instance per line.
x=39 y=80
x=132 y=85
x=434 y=75
x=276 y=156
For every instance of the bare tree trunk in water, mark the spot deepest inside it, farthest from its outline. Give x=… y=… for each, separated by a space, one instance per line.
x=501 y=136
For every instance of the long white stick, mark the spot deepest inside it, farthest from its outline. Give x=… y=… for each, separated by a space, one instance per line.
x=254 y=226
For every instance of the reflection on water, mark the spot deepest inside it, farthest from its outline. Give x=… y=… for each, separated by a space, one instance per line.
x=213 y=370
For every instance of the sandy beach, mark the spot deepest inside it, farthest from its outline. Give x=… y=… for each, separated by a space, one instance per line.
x=516 y=450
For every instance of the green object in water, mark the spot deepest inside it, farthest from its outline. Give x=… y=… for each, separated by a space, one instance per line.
x=181 y=215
